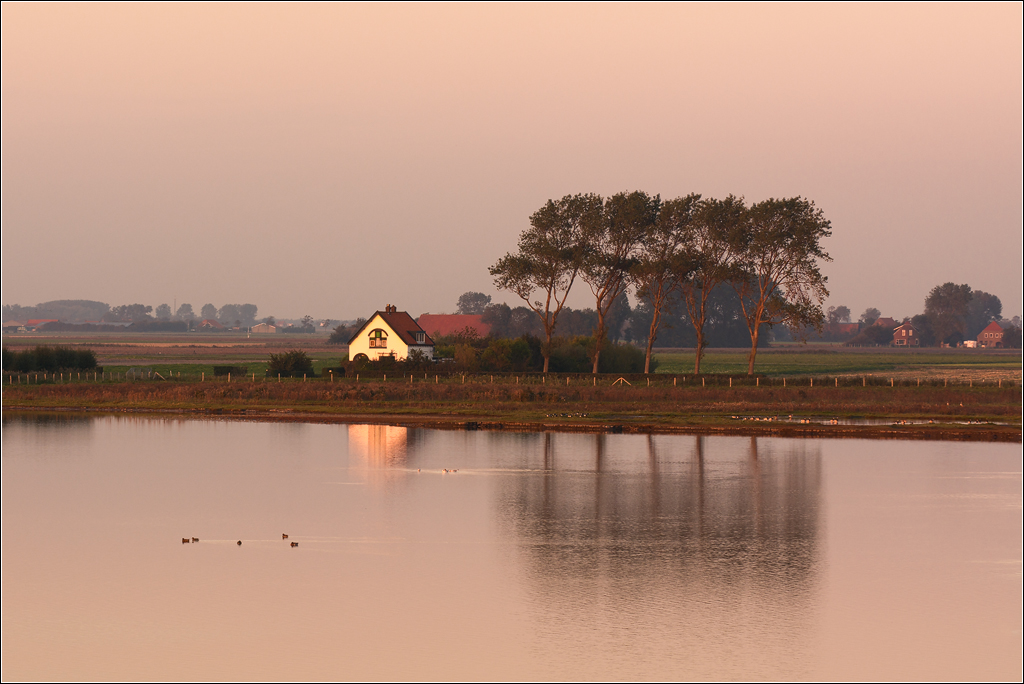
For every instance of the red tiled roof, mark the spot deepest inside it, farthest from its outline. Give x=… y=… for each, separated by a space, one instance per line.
x=994 y=326
x=447 y=324
x=210 y=323
x=847 y=328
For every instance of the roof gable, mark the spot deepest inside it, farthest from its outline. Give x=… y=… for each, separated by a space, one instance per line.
x=399 y=323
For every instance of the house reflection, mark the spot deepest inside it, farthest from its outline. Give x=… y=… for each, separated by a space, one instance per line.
x=382 y=446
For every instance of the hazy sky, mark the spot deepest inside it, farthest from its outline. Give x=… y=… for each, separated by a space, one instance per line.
x=333 y=159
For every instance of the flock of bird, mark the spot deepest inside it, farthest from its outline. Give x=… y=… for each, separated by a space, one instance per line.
x=195 y=540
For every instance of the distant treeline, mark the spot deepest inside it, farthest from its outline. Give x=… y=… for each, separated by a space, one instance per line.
x=48 y=359
x=92 y=312
x=137 y=326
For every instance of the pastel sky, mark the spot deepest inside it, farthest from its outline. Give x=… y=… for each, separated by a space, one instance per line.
x=331 y=159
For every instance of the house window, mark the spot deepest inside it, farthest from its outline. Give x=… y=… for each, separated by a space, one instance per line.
x=378 y=339
x=419 y=337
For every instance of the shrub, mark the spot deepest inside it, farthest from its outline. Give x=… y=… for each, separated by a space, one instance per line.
x=49 y=359
x=294 y=362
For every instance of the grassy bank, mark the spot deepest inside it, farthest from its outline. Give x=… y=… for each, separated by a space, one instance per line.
x=579 y=403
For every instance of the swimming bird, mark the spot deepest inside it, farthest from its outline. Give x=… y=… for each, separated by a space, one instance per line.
x=239 y=542
x=195 y=540
x=184 y=540
x=284 y=536
x=295 y=543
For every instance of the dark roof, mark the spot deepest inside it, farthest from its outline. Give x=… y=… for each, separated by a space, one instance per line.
x=403 y=325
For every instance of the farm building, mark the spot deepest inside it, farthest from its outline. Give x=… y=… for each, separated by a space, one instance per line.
x=906 y=336
x=992 y=336
x=264 y=328
x=389 y=333
x=440 y=325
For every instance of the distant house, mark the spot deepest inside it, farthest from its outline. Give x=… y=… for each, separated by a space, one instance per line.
x=264 y=328
x=210 y=325
x=389 y=333
x=886 y=322
x=906 y=335
x=992 y=336
x=440 y=325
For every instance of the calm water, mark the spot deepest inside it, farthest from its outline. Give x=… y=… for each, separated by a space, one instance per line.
x=553 y=556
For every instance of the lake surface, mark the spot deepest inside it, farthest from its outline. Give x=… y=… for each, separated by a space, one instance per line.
x=545 y=556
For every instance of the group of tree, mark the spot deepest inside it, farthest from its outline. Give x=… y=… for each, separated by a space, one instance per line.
x=87 y=311
x=61 y=309
x=671 y=254
x=48 y=359
x=952 y=314
x=724 y=324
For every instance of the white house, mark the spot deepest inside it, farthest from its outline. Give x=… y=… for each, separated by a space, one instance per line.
x=389 y=333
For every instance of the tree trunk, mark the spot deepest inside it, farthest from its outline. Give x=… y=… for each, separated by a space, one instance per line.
x=753 y=349
x=545 y=349
x=598 y=338
x=650 y=339
x=700 y=350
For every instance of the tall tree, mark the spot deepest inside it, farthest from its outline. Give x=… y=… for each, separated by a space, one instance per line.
x=983 y=309
x=712 y=237
x=838 y=314
x=548 y=259
x=185 y=312
x=947 y=305
x=664 y=263
x=780 y=248
x=473 y=303
x=247 y=314
x=870 y=315
x=229 y=314
x=163 y=312
x=209 y=311
x=610 y=251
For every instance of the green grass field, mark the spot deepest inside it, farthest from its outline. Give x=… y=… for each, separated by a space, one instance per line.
x=787 y=362
x=192 y=354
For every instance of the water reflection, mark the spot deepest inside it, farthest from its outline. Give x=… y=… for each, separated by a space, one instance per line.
x=537 y=556
x=741 y=514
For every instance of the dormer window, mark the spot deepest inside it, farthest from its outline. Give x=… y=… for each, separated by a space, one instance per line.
x=378 y=339
x=420 y=337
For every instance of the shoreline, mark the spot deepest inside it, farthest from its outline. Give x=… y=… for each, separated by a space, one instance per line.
x=703 y=425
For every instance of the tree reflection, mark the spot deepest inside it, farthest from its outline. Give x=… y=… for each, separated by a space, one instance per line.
x=741 y=512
